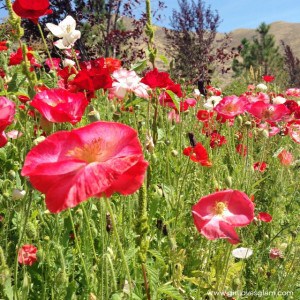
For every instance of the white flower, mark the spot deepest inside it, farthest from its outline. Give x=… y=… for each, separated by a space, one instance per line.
x=212 y=102
x=262 y=87
x=18 y=194
x=196 y=92
x=242 y=252
x=278 y=100
x=66 y=31
x=68 y=62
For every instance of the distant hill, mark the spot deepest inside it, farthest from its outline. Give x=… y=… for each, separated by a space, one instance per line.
x=288 y=32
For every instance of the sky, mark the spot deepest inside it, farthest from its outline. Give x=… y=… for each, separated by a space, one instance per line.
x=238 y=13
x=244 y=13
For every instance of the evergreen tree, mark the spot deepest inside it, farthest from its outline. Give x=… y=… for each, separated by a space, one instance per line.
x=261 y=54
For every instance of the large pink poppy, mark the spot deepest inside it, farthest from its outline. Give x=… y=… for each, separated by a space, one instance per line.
x=216 y=215
x=93 y=161
x=59 y=105
x=231 y=106
x=268 y=112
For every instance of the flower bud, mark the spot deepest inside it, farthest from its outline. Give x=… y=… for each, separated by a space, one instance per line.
x=18 y=194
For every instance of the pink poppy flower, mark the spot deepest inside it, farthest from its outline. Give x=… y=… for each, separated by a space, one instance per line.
x=265 y=217
x=231 y=106
x=285 y=157
x=59 y=105
x=93 y=161
x=27 y=255
x=128 y=81
x=216 y=215
x=7 y=112
x=275 y=253
x=53 y=63
x=294 y=130
x=269 y=112
x=294 y=92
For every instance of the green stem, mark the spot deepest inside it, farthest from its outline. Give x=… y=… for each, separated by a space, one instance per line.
x=19 y=245
x=89 y=232
x=119 y=245
x=45 y=44
x=78 y=249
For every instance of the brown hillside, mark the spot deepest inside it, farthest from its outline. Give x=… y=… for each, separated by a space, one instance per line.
x=288 y=32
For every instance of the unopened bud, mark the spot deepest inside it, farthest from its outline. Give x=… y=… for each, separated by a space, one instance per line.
x=18 y=194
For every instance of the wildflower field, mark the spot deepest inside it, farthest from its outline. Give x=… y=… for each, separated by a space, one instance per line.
x=125 y=183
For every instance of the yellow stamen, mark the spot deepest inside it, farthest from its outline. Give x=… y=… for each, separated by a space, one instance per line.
x=92 y=152
x=219 y=208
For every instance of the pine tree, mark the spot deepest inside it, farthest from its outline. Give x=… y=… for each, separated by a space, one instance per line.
x=261 y=54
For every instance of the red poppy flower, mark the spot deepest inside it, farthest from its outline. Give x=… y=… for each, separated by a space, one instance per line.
x=59 y=105
x=3 y=45
x=269 y=112
x=3 y=139
x=204 y=115
x=216 y=215
x=31 y=9
x=265 y=217
x=93 y=161
x=156 y=79
x=260 y=166
x=16 y=58
x=112 y=64
x=217 y=140
x=241 y=149
x=27 y=255
x=231 y=106
x=285 y=157
x=92 y=79
x=268 y=78
x=198 y=154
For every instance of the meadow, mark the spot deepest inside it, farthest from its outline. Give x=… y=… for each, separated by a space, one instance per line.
x=125 y=183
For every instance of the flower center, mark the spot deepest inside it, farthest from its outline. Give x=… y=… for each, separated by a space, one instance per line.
x=92 y=152
x=219 y=208
x=68 y=28
x=230 y=108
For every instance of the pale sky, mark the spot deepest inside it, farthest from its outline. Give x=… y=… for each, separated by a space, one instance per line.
x=245 y=13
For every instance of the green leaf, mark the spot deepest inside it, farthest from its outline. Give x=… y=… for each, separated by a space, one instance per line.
x=157 y=255
x=170 y=291
x=71 y=290
x=8 y=289
x=164 y=60
x=175 y=99
x=17 y=80
x=132 y=102
x=140 y=66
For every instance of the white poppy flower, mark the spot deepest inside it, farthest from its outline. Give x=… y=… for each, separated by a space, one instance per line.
x=66 y=31
x=262 y=87
x=212 y=102
x=279 y=100
x=242 y=252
